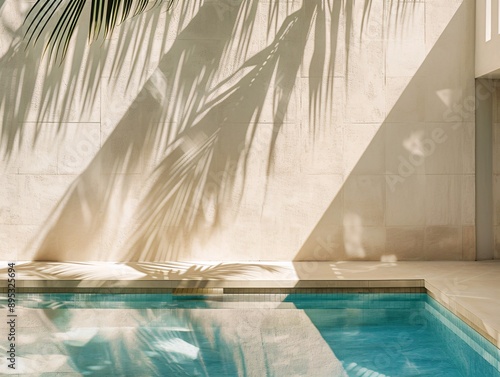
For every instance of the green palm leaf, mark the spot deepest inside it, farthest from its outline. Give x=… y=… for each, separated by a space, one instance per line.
x=55 y=21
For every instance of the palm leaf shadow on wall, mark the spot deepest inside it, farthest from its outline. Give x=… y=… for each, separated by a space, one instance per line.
x=37 y=90
x=205 y=124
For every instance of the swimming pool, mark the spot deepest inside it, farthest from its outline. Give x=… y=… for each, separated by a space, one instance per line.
x=246 y=335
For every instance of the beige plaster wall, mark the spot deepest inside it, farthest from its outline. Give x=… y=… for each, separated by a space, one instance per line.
x=244 y=130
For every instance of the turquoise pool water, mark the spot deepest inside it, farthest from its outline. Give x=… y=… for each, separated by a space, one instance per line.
x=369 y=335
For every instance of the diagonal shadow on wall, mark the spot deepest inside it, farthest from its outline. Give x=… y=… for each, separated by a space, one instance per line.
x=219 y=157
x=108 y=179
x=388 y=203
x=193 y=133
x=206 y=133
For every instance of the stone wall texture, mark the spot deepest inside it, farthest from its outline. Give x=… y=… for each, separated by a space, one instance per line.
x=243 y=130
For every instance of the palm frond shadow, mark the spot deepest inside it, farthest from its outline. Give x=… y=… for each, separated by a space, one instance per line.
x=172 y=271
x=129 y=145
x=209 y=154
x=38 y=90
x=197 y=129
x=189 y=271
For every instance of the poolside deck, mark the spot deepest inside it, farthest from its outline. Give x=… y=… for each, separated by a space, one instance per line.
x=471 y=290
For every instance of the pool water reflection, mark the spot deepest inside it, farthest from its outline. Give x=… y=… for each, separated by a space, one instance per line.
x=246 y=335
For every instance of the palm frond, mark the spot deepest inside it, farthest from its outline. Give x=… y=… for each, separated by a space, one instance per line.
x=55 y=21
